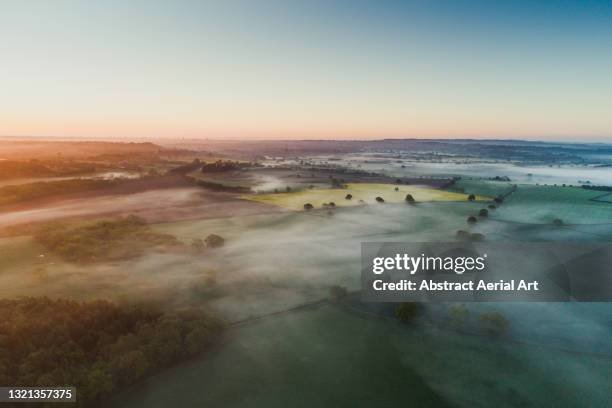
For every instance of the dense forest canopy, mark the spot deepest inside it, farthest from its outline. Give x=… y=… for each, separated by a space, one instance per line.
x=103 y=240
x=96 y=346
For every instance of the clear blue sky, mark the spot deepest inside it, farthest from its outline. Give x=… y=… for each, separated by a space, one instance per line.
x=307 y=69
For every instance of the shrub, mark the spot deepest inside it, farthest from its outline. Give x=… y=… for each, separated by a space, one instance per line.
x=459 y=315
x=407 y=312
x=380 y=200
x=214 y=241
x=308 y=207
x=493 y=324
x=338 y=292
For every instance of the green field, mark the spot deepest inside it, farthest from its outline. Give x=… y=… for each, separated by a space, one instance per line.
x=361 y=192
x=481 y=187
x=542 y=204
x=329 y=357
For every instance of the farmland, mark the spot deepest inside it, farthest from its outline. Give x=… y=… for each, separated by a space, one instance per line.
x=362 y=193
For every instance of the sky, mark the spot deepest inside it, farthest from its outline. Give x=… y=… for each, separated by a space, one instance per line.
x=306 y=69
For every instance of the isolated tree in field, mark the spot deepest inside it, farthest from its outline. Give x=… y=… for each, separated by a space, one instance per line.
x=338 y=292
x=308 y=207
x=462 y=234
x=288 y=189
x=557 y=222
x=494 y=324
x=472 y=220
x=407 y=312
x=198 y=245
x=349 y=197
x=459 y=315
x=380 y=200
x=410 y=199
x=477 y=236
x=396 y=188
x=214 y=241
x=471 y=197
x=484 y=212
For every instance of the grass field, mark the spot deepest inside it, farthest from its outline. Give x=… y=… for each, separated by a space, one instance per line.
x=328 y=357
x=480 y=186
x=361 y=192
x=542 y=204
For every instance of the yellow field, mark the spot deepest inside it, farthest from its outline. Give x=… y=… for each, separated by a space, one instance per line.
x=366 y=192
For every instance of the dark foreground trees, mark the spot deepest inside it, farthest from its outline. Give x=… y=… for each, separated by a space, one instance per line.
x=98 y=347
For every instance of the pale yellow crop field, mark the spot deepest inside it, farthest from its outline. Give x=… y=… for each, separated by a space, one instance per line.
x=361 y=192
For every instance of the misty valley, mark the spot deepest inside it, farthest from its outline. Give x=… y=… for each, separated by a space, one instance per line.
x=217 y=273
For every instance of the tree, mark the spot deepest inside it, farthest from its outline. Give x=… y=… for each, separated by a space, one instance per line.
x=410 y=199
x=498 y=199
x=99 y=383
x=308 y=207
x=476 y=236
x=459 y=315
x=338 y=292
x=494 y=324
x=349 y=197
x=492 y=206
x=462 y=234
x=130 y=367
x=472 y=220
x=407 y=312
x=198 y=245
x=396 y=188
x=557 y=222
x=214 y=241
x=380 y=200
x=483 y=212
x=471 y=197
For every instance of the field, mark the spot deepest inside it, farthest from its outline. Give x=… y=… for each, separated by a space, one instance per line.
x=480 y=186
x=543 y=204
x=277 y=257
x=330 y=357
x=362 y=193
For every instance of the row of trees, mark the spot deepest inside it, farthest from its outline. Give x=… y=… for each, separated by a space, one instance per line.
x=43 y=189
x=493 y=324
